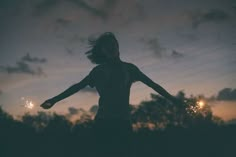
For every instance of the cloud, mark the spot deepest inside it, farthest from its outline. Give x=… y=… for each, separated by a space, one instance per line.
x=214 y=15
x=117 y=11
x=109 y=4
x=76 y=38
x=189 y=36
x=90 y=9
x=227 y=94
x=23 y=66
x=154 y=45
x=123 y=11
x=176 y=54
x=69 y=51
x=44 y=6
x=63 y=22
x=28 y=58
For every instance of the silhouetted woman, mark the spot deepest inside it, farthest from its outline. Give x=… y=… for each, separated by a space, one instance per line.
x=112 y=78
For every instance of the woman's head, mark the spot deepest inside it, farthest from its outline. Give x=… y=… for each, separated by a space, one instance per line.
x=103 y=49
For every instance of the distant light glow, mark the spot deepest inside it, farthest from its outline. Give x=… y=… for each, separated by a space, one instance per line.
x=28 y=103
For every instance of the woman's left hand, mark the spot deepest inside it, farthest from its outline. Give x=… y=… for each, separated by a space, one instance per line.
x=48 y=104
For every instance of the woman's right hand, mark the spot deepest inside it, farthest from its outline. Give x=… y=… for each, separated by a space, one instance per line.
x=48 y=104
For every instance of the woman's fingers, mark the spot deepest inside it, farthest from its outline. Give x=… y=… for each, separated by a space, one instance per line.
x=46 y=105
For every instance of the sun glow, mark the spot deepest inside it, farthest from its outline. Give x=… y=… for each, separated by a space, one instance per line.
x=201 y=103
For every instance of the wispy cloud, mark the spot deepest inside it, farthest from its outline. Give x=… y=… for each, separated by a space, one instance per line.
x=160 y=51
x=214 y=15
x=189 y=36
x=28 y=58
x=106 y=10
x=176 y=54
x=154 y=45
x=90 y=9
x=63 y=22
x=77 y=38
x=23 y=66
x=117 y=11
x=69 y=51
x=44 y=6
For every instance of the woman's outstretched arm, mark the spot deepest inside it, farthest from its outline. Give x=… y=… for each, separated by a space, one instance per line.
x=146 y=80
x=68 y=92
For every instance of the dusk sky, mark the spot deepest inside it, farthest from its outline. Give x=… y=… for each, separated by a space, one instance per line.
x=187 y=45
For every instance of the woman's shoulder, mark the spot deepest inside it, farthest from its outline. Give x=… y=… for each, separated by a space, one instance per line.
x=104 y=67
x=98 y=69
x=130 y=66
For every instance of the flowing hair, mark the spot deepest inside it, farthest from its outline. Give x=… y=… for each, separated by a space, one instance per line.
x=105 y=48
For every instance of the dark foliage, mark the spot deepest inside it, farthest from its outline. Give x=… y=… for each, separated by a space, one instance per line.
x=160 y=129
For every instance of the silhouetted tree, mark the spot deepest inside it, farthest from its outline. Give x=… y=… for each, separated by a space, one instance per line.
x=158 y=113
x=177 y=130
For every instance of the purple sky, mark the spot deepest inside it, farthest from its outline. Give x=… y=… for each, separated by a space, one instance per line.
x=182 y=45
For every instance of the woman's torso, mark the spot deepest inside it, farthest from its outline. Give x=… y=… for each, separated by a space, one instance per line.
x=113 y=81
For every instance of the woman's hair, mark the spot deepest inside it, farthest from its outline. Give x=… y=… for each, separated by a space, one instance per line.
x=105 y=48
